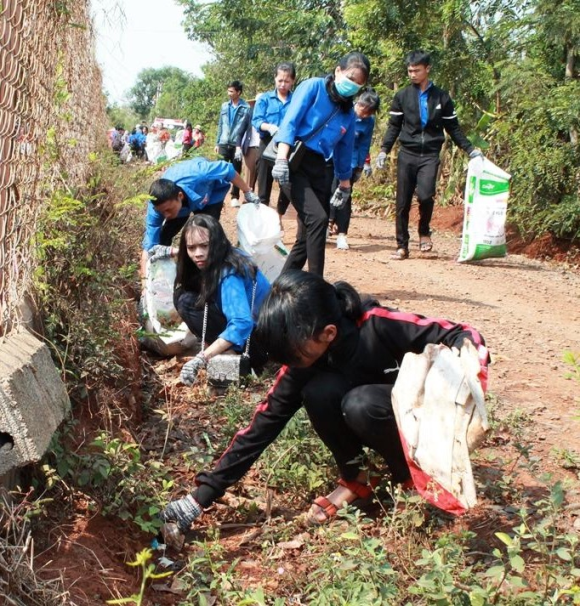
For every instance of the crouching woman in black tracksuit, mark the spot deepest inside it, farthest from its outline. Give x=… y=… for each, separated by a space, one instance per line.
x=341 y=357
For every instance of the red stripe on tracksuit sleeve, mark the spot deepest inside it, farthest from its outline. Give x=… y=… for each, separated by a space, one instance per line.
x=402 y=316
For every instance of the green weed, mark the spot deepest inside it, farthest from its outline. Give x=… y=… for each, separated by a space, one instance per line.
x=147 y=573
x=113 y=473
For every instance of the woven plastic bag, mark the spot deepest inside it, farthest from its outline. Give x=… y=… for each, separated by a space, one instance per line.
x=439 y=405
x=485 y=210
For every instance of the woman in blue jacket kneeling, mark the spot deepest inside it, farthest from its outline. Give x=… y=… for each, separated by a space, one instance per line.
x=216 y=285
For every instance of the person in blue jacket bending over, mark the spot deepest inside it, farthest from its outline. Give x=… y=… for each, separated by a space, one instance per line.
x=322 y=117
x=192 y=186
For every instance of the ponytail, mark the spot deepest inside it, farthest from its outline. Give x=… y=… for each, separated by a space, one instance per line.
x=349 y=300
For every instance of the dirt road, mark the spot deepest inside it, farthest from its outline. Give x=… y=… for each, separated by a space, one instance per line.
x=527 y=310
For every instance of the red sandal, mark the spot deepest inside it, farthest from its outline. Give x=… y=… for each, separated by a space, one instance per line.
x=363 y=496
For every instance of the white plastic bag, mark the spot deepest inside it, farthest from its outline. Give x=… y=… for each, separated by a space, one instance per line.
x=486 y=197
x=125 y=154
x=155 y=149
x=172 y=149
x=259 y=234
x=165 y=332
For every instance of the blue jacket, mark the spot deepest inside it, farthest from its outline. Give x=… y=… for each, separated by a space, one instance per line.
x=232 y=134
x=137 y=140
x=310 y=108
x=203 y=183
x=234 y=299
x=363 y=135
x=270 y=109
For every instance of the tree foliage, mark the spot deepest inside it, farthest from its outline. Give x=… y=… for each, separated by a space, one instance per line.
x=248 y=37
x=158 y=86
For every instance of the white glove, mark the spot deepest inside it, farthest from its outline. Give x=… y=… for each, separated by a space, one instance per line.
x=340 y=197
x=238 y=154
x=367 y=169
x=159 y=252
x=476 y=153
x=191 y=369
x=281 y=171
x=272 y=129
x=250 y=196
x=381 y=159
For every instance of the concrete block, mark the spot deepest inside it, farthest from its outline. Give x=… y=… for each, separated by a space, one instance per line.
x=33 y=400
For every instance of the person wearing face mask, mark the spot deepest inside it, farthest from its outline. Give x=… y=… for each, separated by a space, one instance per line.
x=269 y=112
x=322 y=117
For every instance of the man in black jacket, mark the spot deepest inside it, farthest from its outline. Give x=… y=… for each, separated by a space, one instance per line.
x=419 y=115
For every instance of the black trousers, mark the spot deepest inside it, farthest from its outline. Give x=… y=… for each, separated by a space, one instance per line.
x=420 y=173
x=171 y=227
x=227 y=152
x=309 y=194
x=342 y=217
x=264 y=180
x=346 y=419
x=216 y=323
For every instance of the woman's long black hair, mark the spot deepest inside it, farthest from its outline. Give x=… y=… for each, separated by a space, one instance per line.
x=221 y=256
x=298 y=308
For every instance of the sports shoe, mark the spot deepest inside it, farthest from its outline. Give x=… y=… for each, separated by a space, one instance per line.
x=234 y=203
x=341 y=242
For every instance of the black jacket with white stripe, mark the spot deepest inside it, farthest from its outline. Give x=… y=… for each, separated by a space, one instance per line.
x=405 y=123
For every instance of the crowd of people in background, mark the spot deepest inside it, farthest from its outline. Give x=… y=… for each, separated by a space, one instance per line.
x=332 y=120
x=155 y=144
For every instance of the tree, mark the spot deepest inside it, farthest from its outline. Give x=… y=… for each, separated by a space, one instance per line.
x=248 y=37
x=150 y=86
x=122 y=115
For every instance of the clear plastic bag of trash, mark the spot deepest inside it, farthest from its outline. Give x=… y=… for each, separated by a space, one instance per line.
x=164 y=331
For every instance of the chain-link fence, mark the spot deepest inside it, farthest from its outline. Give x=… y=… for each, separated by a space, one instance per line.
x=51 y=116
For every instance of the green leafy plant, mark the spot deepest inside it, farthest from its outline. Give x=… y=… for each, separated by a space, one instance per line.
x=113 y=473
x=353 y=568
